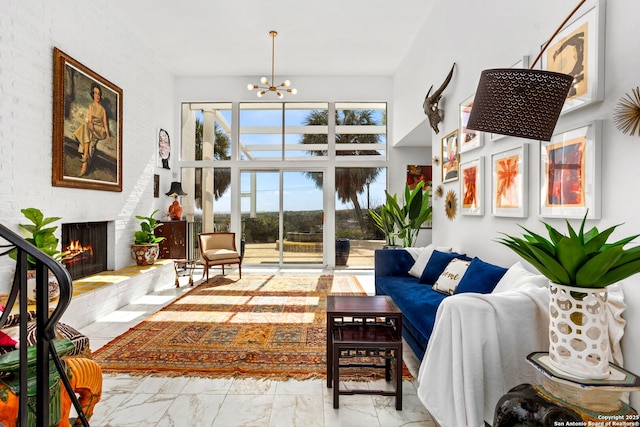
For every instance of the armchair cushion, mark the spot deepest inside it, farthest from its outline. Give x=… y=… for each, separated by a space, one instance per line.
x=220 y=254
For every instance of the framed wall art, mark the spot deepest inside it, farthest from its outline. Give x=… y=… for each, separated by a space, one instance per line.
x=164 y=149
x=156 y=186
x=417 y=173
x=469 y=139
x=577 y=50
x=570 y=173
x=509 y=182
x=450 y=156
x=472 y=187
x=87 y=127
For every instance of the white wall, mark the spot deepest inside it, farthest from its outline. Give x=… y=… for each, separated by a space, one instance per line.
x=497 y=33
x=92 y=35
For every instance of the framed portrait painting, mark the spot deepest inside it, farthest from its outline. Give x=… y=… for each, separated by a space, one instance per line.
x=164 y=149
x=471 y=187
x=87 y=127
x=509 y=182
x=450 y=157
x=577 y=50
x=570 y=173
x=469 y=139
x=419 y=173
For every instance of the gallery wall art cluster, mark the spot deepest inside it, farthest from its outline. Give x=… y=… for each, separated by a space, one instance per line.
x=568 y=164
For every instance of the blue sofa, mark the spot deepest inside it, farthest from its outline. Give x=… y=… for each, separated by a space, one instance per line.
x=416 y=297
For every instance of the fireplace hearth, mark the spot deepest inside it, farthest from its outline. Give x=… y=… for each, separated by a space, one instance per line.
x=85 y=244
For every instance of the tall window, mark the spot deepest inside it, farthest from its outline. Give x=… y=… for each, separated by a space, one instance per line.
x=292 y=145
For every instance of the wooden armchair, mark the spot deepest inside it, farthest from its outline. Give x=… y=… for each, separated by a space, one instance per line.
x=219 y=249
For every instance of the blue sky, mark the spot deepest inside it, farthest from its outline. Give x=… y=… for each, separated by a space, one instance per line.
x=300 y=191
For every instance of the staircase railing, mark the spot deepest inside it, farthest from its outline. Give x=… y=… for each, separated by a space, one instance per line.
x=45 y=324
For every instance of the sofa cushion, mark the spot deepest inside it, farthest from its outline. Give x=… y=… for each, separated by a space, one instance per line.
x=481 y=277
x=451 y=276
x=517 y=276
x=436 y=265
x=423 y=257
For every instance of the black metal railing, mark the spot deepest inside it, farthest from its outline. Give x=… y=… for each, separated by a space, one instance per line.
x=45 y=325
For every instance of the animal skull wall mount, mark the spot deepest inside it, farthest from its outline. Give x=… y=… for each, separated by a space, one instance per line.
x=431 y=101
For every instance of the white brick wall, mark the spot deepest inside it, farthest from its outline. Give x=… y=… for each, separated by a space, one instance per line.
x=92 y=35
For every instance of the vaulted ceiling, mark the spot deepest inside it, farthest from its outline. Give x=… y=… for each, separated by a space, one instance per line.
x=231 y=38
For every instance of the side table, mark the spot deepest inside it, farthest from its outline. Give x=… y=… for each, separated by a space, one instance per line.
x=364 y=326
x=186 y=265
x=563 y=399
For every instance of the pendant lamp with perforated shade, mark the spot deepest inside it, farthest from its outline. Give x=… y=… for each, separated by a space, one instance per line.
x=525 y=103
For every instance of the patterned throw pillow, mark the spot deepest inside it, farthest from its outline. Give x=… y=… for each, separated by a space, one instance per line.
x=451 y=276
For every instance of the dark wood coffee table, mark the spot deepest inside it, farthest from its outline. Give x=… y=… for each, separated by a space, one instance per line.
x=364 y=326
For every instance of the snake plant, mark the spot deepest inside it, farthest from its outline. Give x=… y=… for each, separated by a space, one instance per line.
x=580 y=259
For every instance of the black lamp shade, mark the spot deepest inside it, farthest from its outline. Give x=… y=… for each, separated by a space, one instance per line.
x=519 y=102
x=176 y=190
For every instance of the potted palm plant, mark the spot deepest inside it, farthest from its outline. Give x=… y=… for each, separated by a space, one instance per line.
x=42 y=236
x=403 y=221
x=146 y=246
x=384 y=220
x=579 y=265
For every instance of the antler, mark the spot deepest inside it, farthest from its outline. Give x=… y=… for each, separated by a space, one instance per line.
x=430 y=104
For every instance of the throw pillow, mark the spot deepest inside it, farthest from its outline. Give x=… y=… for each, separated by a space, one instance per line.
x=481 y=277
x=424 y=255
x=451 y=276
x=436 y=265
x=517 y=276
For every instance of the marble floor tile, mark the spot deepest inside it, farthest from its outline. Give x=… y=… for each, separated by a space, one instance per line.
x=140 y=410
x=304 y=410
x=192 y=410
x=245 y=410
x=145 y=401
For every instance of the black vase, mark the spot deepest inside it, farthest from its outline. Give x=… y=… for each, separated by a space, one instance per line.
x=342 y=251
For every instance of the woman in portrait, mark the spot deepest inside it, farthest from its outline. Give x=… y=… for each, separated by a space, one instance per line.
x=95 y=128
x=164 y=148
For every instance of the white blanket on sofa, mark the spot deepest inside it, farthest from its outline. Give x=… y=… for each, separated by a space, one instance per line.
x=478 y=350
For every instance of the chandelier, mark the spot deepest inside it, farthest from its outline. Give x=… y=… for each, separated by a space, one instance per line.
x=269 y=87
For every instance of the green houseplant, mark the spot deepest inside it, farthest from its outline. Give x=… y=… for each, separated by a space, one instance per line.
x=579 y=259
x=42 y=236
x=145 y=246
x=384 y=220
x=403 y=221
x=579 y=265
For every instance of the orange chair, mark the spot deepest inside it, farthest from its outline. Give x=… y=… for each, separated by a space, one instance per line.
x=219 y=249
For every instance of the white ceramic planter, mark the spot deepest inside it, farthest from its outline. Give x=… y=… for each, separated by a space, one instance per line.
x=578 y=333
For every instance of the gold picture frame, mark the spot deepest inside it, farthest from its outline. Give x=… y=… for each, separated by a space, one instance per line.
x=87 y=127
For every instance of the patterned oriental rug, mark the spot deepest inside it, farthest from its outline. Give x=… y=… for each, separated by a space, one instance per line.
x=261 y=326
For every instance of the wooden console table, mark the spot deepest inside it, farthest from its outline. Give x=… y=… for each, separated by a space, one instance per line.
x=364 y=326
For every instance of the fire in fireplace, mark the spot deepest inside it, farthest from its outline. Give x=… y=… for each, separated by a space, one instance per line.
x=85 y=244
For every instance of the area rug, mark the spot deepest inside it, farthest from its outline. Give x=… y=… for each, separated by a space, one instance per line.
x=260 y=326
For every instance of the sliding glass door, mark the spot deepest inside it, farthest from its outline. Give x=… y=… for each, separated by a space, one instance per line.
x=282 y=217
x=303 y=218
